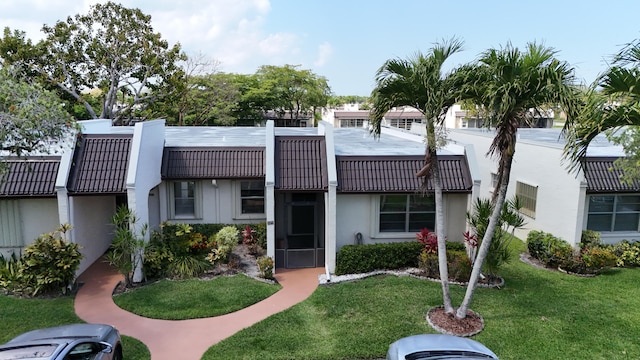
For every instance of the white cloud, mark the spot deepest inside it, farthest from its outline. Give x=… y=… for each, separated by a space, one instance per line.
x=325 y=50
x=235 y=32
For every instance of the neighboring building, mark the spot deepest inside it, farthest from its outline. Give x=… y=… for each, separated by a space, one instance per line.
x=555 y=200
x=317 y=189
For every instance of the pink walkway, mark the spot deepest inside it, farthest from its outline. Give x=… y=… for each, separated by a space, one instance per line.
x=183 y=339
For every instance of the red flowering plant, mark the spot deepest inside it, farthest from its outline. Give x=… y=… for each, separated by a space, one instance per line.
x=471 y=244
x=429 y=240
x=249 y=238
x=248 y=235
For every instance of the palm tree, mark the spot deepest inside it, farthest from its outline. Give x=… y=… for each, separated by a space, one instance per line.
x=612 y=103
x=509 y=84
x=419 y=82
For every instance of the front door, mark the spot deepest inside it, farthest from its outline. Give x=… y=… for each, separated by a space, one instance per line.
x=301 y=241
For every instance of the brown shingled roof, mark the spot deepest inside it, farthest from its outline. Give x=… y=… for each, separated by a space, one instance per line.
x=213 y=162
x=602 y=176
x=363 y=174
x=100 y=164
x=30 y=177
x=301 y=163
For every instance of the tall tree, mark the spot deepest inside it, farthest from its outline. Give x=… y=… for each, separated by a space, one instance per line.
x=612 y=106
x=112 y=48
x=32 y=119
x=510 y=84
x=421 y=82
x=289 y=91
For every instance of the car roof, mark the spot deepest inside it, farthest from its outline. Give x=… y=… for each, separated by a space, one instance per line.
x=71 y=332
x=437 y=342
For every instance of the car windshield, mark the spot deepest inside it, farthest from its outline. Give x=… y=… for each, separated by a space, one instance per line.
x=28 y=352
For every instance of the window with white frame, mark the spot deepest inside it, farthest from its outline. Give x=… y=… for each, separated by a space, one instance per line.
x=184 y=200
x=614 y=213
x=527 y=195
x=252 y=197
x=406 y=213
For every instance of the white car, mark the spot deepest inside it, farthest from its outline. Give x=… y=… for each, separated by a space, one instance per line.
x=435 y=346
x=68 y=342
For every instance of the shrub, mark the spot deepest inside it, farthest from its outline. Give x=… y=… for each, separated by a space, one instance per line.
x=186 y=266
x=428 y=264
x=49 y=264
x=250 y=239
x=265 y=266
x=459 y=265
x=353 y=259
x=590 y=261
x=628 y=253
x=226 y=240
x=10 y=274
x=550 y=250
x=590 y=239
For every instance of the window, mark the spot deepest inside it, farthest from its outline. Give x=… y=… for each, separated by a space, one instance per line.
x=406 y=213
x=527 y=195
x=352 y=123
x=252 y=197
x=614 y=213
x=494 y=180
x=10 y=228
x=184 y=200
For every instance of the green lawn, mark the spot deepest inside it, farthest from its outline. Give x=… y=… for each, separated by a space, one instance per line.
x=537 y=315
x=22 y=315
x=191 y=299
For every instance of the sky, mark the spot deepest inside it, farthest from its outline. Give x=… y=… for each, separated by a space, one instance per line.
x=347 y=41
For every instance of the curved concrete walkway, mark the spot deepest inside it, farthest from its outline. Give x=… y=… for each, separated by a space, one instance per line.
x=183 y=339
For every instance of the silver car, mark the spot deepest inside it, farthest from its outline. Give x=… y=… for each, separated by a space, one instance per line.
x=435 y=346
x=68 y=342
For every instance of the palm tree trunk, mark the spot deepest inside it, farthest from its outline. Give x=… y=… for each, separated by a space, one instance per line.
x=442 y=246
x=505 y=171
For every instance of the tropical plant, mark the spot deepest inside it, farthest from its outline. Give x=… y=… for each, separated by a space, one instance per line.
x=509 y=84
x=265 y=267
x=127 y=246
x=226 y=240
x=509 y=221
x=422 y=83
x=47 y=265
x=612 y=106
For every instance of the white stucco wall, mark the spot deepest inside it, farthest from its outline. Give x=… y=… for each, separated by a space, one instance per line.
x=91 y=226
x=356 y=213
x=39 y=216
x=144 y=167
x=559 y=208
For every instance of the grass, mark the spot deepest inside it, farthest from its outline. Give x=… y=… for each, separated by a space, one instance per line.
x=22 y=315
x=537 y=315
x=194 y=298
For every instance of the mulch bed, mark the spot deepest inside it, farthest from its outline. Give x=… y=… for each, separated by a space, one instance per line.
x=449 y=324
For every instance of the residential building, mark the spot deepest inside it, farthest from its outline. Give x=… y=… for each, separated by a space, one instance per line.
x=555 y=200
x=317 y=189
